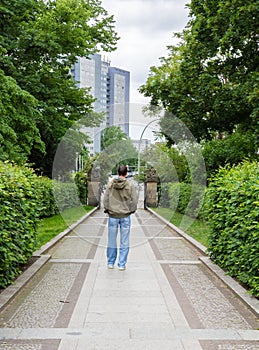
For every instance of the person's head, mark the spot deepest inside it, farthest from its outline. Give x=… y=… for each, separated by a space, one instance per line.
x=122 y=170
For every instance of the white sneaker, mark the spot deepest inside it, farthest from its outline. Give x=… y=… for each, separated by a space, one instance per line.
x=122 y=268
x=110 y=267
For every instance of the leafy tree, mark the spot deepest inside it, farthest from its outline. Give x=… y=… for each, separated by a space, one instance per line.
x=170 y=165
x=210 y=81
x=111 y=135
x=118 y=152
x=18 y=129
x=231 y=150
x=39 y=41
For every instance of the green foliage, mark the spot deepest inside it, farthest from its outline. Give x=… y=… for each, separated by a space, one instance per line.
x=231 y=150
x=51 y=226
x=46 y=201
x=19 y=214
x=39 y=42
x=164 y=198
x=66 y=195
x=81 y=180
x=169 y=163
x=18 y=122
x=55 y=196
x=119 y=152
x=186 y=198
x=196 y=229
x=24 y=198
x=232 y=209
x=182 y=197
x=111 y=135
x=210 y=81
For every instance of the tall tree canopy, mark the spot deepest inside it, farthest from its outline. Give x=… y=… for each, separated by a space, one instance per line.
x=39 y=42
x=210 y=80
x=111 y=135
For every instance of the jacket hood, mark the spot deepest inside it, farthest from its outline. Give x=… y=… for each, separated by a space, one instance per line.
x=119 y=183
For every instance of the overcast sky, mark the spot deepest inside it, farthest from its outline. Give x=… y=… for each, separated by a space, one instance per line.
x=145 y=28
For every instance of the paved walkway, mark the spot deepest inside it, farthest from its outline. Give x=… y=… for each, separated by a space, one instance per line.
x=165 y=299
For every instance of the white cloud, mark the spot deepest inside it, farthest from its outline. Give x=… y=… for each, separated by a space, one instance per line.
x=149 y=16
x=146 y=28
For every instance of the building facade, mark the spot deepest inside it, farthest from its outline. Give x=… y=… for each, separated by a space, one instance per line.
x=110 y=86
x=118 y=87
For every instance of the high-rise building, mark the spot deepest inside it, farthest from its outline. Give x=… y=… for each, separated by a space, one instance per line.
x=110 y=86
x=118 y=87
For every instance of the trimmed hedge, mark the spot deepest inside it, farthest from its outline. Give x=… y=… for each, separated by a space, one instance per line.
x=66 y=195
x=81 y=180
x=24 y=198
x=182 y=197
x=232 y=207
x=164 y=199
x=18 y=218
x=46 y=200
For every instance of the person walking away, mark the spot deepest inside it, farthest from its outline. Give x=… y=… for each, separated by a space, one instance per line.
x=120 y=201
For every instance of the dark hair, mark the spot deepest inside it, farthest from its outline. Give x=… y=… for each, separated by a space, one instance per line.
x=122 y=170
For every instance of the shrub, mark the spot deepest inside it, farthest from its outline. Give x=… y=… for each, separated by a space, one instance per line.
x=24 y=198
x=186 y=198
x=18 y=218
x=164 y=199
x=81 y=180
x=65 y=195
x=55 y=196
x=46 y=199
x=232 y=208
x=231 y=150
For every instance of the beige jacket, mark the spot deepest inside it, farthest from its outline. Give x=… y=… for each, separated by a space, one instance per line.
x=120 y=198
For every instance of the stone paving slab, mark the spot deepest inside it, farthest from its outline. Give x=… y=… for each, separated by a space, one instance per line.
x=95 y=337
x=212 y=307
x=166 y=298
x=233 y=285
x=167 y=249
x=150 y=330
x=159 y=231
x=41 y=301
x=228 y=345
x=252 y=302
x=30 y=345
x=129 y=345
x=89 y=229
x=9 y=293
x=81 y=248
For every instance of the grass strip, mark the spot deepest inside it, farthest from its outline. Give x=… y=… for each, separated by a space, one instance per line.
x=197 y=229
x=52 y=226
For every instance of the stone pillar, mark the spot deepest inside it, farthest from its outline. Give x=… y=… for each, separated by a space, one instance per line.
x=94 y=187
x=151 y=195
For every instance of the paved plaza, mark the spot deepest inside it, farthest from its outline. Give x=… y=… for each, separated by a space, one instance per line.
x=167 y=298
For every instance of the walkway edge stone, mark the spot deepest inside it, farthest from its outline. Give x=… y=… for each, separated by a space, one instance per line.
x=40 y=260
x=57 y=238
x=10 y=292
x=232 y=284
x=191 y=240
x=241 y=292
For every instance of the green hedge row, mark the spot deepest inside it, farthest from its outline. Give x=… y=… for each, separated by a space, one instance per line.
x=81 y=180
x=24 y=198
x=232 y=207
x=182 y=197
x=18 y=217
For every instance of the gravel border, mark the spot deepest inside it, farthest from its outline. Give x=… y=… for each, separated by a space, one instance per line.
x=232 y=284
x=40 y=260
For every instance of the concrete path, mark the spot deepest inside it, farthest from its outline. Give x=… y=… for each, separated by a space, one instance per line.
x=165 y=299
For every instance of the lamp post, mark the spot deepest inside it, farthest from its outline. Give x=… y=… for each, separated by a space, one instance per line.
x=76 y=162
x=152 y=121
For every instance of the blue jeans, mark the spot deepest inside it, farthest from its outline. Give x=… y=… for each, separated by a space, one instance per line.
x=113 y=224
